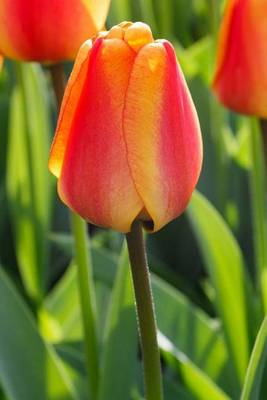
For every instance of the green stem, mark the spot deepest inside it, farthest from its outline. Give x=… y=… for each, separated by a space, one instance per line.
x=58 y=81
x=84 y=265
x=258 y=193
x=263 y=126
x=87 y=300
x=217 y=121
x=145 y=313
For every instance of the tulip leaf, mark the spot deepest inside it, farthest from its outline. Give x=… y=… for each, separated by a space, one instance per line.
x=173 y=391
x=29 y=368
x=120 y=11
x=104 y=261
x=61 y=306
x=28 y=181
x=73 y=357
x=119 y=327
x=257 y=363
x=197 y=59
x=225 y=266
x=120 y=341
x=148 y=13
x=184 y=325
x=199 y=384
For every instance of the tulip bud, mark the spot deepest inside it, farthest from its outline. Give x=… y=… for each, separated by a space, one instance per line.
x=48 y=30
x=128 y=142
x=241 y=72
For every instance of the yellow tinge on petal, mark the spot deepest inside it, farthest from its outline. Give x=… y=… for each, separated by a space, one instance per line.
x=116 y=32
x=138 y=35
x=128 y=100
x=98 y=10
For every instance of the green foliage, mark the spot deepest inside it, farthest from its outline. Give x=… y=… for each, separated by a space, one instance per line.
x=210 y=299
x=28 y=180
x=224 y=262
x=120 y=337
x=29 y=368
x=257 y=363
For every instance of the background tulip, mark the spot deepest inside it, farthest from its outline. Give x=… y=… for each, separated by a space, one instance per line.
x=48 y=30
x=128 y=140
x=241 y=79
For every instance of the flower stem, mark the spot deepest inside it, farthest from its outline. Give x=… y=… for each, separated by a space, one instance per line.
x=87 y=300
x=84 y=266
x=263 y=277
x=145 y=313
x=258 y=198
x=58 y=81
x=263 y=126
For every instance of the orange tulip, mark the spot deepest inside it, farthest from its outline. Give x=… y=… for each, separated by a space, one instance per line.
x=48 y=30
x=128 y=142
x=241 y=74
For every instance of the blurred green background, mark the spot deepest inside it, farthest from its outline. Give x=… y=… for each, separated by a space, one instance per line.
x=209 y=265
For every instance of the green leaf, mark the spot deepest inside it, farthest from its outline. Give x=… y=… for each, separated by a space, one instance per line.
x=190 y=329
x=225 y=266
x=104 y=262
x=29 y=368
x=183 y=324
x=259 y=211
x=257 y=363
x=148 y=13
x=28 y=180
x=173 y=391
x=73 y=357
x=120 y=340
x=199 y=384
x=60 y=315
x=61 y=312
x=120 y=11
x=197 y=59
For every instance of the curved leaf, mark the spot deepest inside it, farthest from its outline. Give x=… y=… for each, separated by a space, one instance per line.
x=29 y=368
x=225 y=266
x=258 y=360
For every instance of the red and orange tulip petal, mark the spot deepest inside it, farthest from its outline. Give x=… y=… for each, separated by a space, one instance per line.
x=128 y=140
x=162 y=133
x=96 y=180
x=241 y=80
x=68 y=108
x=48 y=30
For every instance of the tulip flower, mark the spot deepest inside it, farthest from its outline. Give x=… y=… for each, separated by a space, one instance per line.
x=241 y=79
x=48 y=30
x=128 y=143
